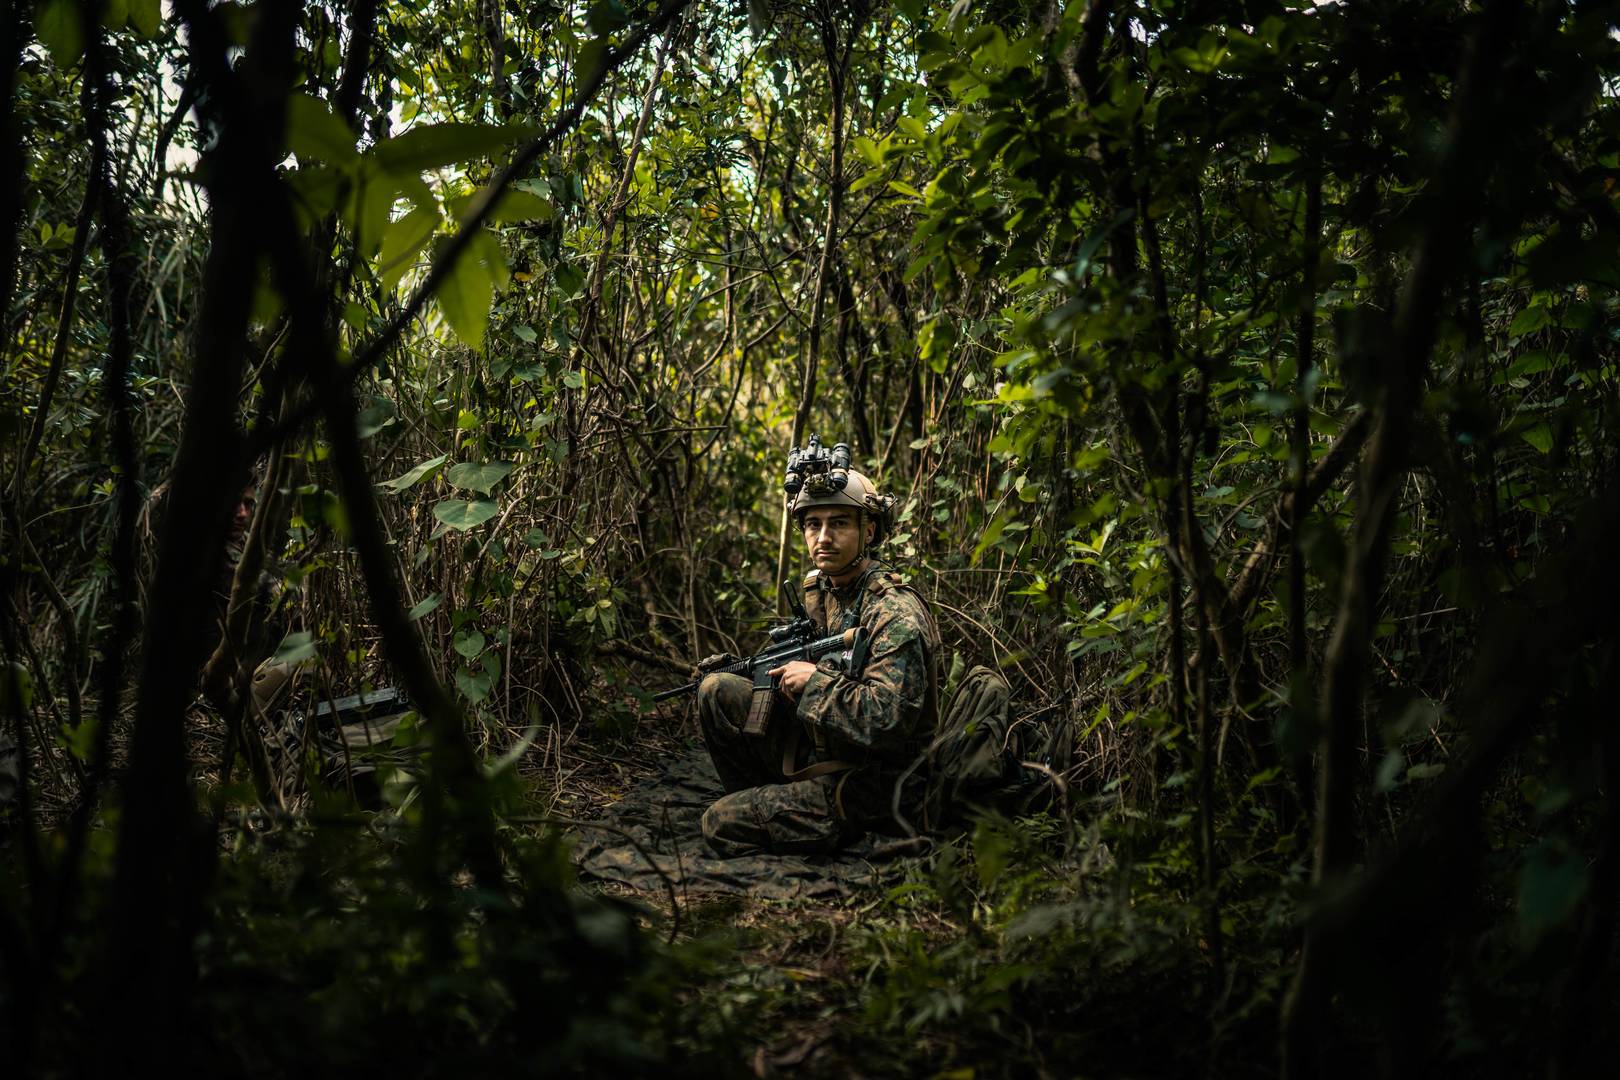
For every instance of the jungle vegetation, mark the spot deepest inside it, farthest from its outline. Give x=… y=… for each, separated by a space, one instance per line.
x=1247 y=373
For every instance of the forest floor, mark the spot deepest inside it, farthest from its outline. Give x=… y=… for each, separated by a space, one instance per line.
x=1003 y=952
x=777 y=986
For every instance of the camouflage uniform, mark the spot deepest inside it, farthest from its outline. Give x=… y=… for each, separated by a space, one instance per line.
x=877 y=722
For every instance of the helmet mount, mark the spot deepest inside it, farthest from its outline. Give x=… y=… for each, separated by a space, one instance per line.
x=819 y=470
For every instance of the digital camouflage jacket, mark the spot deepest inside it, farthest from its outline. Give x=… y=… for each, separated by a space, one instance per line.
x=884 y=714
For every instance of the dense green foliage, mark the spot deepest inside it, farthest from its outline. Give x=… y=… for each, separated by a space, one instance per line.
x=1246 y=371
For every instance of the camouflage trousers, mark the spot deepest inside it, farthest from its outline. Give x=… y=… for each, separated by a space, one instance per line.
x=763 y=813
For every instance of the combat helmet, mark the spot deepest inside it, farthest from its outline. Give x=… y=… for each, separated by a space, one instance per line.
x=816 y=476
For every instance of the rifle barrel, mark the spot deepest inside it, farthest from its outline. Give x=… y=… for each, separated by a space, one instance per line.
x=677 y=692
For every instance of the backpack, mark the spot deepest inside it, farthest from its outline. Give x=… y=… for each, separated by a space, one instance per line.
x=973 y=761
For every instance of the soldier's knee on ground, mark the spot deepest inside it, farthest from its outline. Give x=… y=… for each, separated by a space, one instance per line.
x=776 y=819
x=731 y=834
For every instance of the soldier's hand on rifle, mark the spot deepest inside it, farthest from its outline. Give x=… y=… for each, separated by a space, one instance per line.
x=794 y=675
x=709 y=663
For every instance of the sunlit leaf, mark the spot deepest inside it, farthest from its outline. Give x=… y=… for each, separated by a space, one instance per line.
x=517 y=206
x=482 y=477
x=466 y=292
x=401 y=240
x=463 y=515
x=464 y=297
x=415 y=475
x=314 y=132
x=992 y=533
x=431 y=146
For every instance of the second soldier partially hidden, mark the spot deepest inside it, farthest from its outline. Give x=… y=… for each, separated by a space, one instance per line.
x=844 y=731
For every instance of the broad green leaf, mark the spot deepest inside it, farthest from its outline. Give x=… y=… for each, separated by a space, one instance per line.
x=378 y=414
x=464 y=297
x=146 y=16
x=401 y=240
x=568 y=279
x=1529 y=320
x=474 y=686
x=370 y=207
x=466 y=292
x=115 y=15
x=592 y=55
x=413 y=476
x=525 y=333
x=606 y=16
x=295 y=648
x=424 y=606
x=464 y=515
x=991 y=534
x=469 y=643
x=81 y=741
x=487 y=250
x=514 y=206
x=430 y=146
x=1540 y=437
x=867 y=179
x=471 y=476
x=410 y=185
x=314 y=132
x=315 y=190
x=58 y=26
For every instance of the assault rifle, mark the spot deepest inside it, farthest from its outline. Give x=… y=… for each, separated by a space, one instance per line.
x=794 y=640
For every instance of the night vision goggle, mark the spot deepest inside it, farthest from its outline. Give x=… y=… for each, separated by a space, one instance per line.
x=816 y=469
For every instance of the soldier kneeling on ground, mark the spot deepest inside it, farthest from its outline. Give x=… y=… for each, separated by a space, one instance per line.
x=824 y=770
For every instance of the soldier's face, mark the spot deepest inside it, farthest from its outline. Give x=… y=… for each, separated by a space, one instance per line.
x=832 y=537
x=242 y=517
